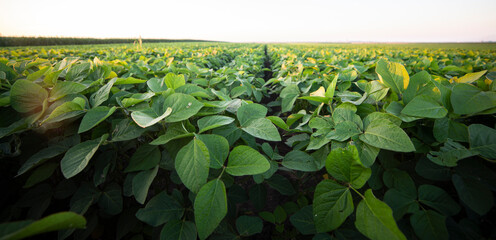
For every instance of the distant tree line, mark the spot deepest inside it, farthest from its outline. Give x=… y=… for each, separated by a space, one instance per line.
x=49 y=41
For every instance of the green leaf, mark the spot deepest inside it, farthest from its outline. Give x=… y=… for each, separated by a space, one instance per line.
x=178 y=230
x=303 y=221
x=62 y=89
x=469 y=99
x=146 y=157
x=210 y=207
x=473 y=193
x=211 y=122
x=343 y=131
x=95 y=116
x=26 y=96
x=244 y=160
x=386 y=135
x=249 y=225
x=40 y=174
x=54 y=222
x=281 y=184
x=64 y=111
x=192 y=164
x=160 y=209
x=424 y=106
x=400 y=202
x=174 y=81
x=429 y=225
x=126 y=130
x=102 y=94
x=156 y=85
x=438 y=199
x=344 y=165
x=48 y=153
x=128 y=80
x=249 y=112
x=77 y=157
x=301 y=161
x=374 y=219
x=111 y=199
x=449 y=154
x=380 y=115
x=262 y=128
x=218 y=149
x=149 y=117
x=174 y=131
x=332 y=204
x=471 y=77
x=141 y=184
x=392 y=75
x=483 y=140
x=289 y=95
x=183 y=107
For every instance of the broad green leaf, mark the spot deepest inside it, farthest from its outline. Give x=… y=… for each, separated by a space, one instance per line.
x=289 y=95
x=380 y=115
x=160 y=209
x=343 y=131
x=471 y=77
x=424 y=106
x=400 y=203
x=128 y=80
x=367 y=153
x=174 y=81
x=438 y=199
x=174 y=131
x=192 y=164
x=146 y=157
x=62 y=89
x=136 y=98
x=156 y=85
x=450 y=153
x=417 y=82
x=211 y=122
x=54 y=222
x=111 y=199
x=386 y=135
x=392 y=75
x=218 y=149
x=374 y=219
x=429 y=224
x=330 y=90
x=48 y=153
x=301 y=161
x=210 y=207
x=281 y=184
x=77 y=157
x=102 y=94
x=149 y=117
x=400 y=180
x=474 y=194
x=469 y=99
x=262 y=128
x=244 y=160
x=183 y=107
x=249 y=112
x=95 y=116
x=303 y=220
x=344 y=165
x=26 y=96
x=64 y=111
x=178 y=230
x=483 y=140
x=249 y=225
x=126 y=130
x=40 y=174
x=141 y=183
x=332 y=204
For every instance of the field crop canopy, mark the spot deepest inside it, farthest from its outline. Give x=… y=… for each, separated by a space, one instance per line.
x=248 y=141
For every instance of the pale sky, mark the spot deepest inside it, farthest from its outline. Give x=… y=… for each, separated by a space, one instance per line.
x=255 y=20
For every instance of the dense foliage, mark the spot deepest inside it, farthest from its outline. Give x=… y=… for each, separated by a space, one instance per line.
x=229 y=141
